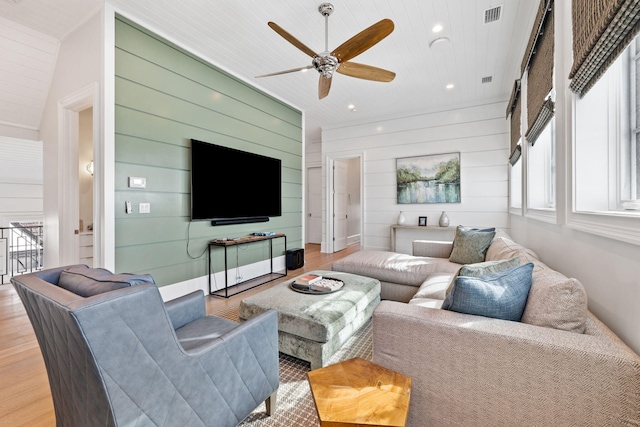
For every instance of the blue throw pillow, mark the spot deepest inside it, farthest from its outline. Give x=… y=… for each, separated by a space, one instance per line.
x=501 y=295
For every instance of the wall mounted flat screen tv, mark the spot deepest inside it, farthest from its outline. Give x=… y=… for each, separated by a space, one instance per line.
x=230 y=186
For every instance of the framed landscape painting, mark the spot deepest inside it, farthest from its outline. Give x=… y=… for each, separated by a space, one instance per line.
x=434 y=178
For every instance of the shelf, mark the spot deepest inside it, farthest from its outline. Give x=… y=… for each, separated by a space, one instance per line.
x=229 y=291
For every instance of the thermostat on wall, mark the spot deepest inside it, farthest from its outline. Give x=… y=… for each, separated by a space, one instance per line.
x=137 y=182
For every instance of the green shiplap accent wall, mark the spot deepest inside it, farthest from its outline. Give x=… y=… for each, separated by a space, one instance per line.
x=164 y=98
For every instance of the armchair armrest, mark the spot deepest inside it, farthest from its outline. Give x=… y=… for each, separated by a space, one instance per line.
x=472 y=370
x=432 y=248
x=186 y=309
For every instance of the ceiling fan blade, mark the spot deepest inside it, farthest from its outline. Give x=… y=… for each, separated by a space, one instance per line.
x=285 y=71
x=323 y=86
x=363 y=40
x=367 y=72
x=294 y=41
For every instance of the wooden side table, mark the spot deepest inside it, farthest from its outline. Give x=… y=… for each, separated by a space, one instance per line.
x=357 y=392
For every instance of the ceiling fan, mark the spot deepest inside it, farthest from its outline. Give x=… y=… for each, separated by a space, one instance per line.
x=326 y=63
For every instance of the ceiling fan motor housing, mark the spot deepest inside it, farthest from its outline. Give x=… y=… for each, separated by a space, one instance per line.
x=326 y=64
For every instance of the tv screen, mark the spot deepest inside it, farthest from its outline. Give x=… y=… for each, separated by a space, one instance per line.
x=230 y=186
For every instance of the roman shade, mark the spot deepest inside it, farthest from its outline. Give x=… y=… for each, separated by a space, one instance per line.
x=514 y=109
x=540 y=52
x=602 y=29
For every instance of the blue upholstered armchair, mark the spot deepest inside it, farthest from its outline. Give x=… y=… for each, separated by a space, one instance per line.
x=123 y=357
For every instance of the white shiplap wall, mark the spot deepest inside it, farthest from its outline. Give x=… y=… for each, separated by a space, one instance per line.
x=20 y=179
x=479 y=133
x=28 y=60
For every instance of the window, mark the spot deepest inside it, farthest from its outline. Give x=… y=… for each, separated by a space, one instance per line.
x=607 y=140
x=515 y=185
x=541 y=167
x=630 y=158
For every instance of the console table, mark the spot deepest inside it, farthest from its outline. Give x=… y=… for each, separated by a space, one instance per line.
x=229 y=291
x=429 y=232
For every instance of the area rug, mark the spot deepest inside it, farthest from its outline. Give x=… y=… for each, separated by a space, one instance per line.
x=295 y=405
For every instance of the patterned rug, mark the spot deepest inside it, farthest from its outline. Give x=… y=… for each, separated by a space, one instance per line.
x=295 y=405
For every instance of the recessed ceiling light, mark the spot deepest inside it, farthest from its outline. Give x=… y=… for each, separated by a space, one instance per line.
x=351 y=107
x=437 y=28
x=450 y=86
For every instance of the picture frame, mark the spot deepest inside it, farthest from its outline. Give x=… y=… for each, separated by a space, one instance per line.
x=433 y=178
x=422 y=221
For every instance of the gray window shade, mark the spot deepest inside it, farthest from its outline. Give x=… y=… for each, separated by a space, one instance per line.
x=544 y=6
x=515 y=155
x=540 y=77
x=540 y=121
x=514 y=109
x=601 y=31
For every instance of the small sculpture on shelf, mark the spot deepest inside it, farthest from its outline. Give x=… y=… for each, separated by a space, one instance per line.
x=401 y=218
x=444 y=220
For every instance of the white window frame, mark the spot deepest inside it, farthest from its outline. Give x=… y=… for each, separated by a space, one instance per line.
x=614 y=223
x=629 y=139
x=549 y=174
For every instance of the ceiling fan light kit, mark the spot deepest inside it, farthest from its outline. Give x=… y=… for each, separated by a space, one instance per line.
x=326 y=62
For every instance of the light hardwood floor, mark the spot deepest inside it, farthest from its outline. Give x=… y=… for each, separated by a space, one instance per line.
x=25 y=398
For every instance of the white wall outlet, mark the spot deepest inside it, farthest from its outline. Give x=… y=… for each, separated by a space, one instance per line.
x=144 y=208
x=127 y=207
x=137 y=182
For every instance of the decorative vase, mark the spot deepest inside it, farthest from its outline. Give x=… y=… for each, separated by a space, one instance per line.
x=444 y=220
x=401 y=218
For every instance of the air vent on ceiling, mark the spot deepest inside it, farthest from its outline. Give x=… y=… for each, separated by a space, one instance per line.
x=487 y=79
x=492 y=15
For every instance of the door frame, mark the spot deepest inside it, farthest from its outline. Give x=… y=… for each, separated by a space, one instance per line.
x=69 y=109
x=328 y=246
x=308 y=167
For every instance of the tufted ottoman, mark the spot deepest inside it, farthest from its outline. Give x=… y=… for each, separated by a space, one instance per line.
x=314 y=327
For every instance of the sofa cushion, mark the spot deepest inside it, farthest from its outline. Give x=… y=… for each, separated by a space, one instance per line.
x=393 y=267
x=470 y=244
x=504 y=248
x=555 y=301
x=86 y=282
x=435 y=286
x=501 y=295
x=482 y=268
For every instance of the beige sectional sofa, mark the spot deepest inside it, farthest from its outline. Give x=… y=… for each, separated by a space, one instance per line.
x=558 y=366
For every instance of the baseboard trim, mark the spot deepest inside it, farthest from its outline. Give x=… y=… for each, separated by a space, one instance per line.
x=234 y=275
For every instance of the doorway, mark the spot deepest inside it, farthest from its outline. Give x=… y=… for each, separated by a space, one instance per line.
x=314 y=205
x=85 y=187
x=344 y=202
x=79 y=171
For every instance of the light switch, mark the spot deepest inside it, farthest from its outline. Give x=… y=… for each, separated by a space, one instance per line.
x=144 y=208
x=137 y=182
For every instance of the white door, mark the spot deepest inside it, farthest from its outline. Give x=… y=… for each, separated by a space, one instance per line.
x=314 y=205
x=339 y=205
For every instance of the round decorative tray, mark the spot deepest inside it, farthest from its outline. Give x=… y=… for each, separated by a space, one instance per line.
x=306 y=289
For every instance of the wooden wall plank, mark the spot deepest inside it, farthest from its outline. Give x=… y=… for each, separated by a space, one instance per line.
x=164 y=98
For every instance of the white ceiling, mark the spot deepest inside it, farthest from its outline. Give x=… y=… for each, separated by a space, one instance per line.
x=234 y=36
